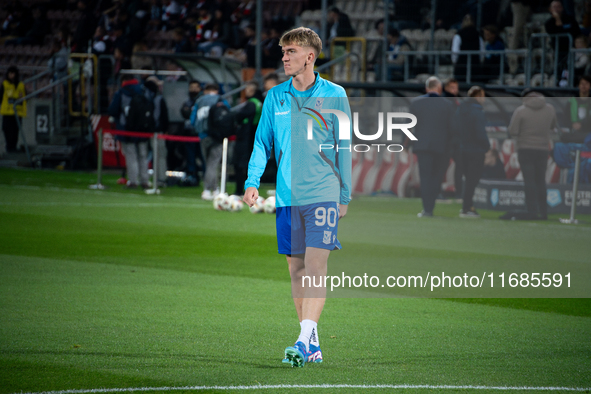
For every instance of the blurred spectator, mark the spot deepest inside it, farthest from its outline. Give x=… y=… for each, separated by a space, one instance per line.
x=375 y=47
x=172 y=13
x=202 y=22
x=493 y=166
x=140 y=62
x=339 y=24
x=210 y=147
x=578 y=109
x=244 y=14
x=17 y=23
x=586 y=22
x=470 y=121
x=192 y=149
x=397 y=44
x=86 y=26
x=561 y=23
x=217 y=35
x=108 y=19
x=467 y=39
x=121 y=60
x=11 y=90
x=58 y=62
x=581 y=59
x=123 y=20
x=100 y=41
x=521 y=10
x=433 y=134
x=250 y=45
x=182 y=43
x=154 y=90
x=37 y=32
x=247 y=116
x=156 y=13
x=138 y=23
x=120 y=40
x=270 y=80
x=134 y=149
x=532 y=124
x=492 y=62
x=451 y=90
x=271 y=50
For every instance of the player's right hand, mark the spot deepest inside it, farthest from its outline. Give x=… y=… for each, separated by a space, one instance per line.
x=250 y=196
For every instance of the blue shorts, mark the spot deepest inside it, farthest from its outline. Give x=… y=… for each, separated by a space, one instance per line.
x=314 y=225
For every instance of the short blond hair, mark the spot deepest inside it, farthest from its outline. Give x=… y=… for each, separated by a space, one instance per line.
x=303 y=37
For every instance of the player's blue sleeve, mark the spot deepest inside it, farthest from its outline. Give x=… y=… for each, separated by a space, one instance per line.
x=263 y=143
x=344 y=159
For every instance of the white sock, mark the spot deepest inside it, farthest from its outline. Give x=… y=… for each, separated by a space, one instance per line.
x=306 y=332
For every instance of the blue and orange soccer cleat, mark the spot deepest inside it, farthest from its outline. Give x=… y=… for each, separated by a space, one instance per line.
x=315 y=354
x=296 y=355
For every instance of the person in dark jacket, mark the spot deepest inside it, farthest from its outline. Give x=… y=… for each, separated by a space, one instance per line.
x=161 y=122
x=433 y=132
x=561 y=23
x=491 y=67
x=192 y=149
x=470 y=121
x=467 y=39
x=493 y=166
x=134 y=149
x=451 y=91
x=247 y=116
x=339 y=24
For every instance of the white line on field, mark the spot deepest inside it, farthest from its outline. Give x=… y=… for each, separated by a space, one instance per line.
x=100 y=204
x=312 y=386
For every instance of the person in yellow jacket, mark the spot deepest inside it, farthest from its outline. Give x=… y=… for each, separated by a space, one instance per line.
x=11 y=90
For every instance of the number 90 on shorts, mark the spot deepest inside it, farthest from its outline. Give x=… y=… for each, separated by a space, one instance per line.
x=314 y=225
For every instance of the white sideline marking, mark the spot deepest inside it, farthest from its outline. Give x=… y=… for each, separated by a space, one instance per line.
x=310 y=386
x=101 y=204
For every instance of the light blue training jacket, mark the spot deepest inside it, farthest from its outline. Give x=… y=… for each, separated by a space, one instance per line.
x=306 y=174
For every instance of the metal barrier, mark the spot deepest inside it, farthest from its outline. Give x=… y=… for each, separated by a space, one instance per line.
x=29 y=96
x=348 y=41
x=469 y=54
x=527 y=54
x=35 y=77
x=573 y=207
x=543 y=60
x=84 y=111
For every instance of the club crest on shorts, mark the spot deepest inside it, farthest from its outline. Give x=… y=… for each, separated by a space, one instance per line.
x=326 y=238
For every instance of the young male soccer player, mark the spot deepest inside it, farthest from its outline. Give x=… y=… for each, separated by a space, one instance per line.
x=313 y=194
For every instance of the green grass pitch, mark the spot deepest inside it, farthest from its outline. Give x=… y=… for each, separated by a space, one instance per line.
x=117 y=289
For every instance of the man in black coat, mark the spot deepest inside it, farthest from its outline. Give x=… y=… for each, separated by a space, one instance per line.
x=561 y=23
x=433 y=132
x=339 y=24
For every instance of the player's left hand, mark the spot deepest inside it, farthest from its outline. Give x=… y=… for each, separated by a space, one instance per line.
x=342 y=210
